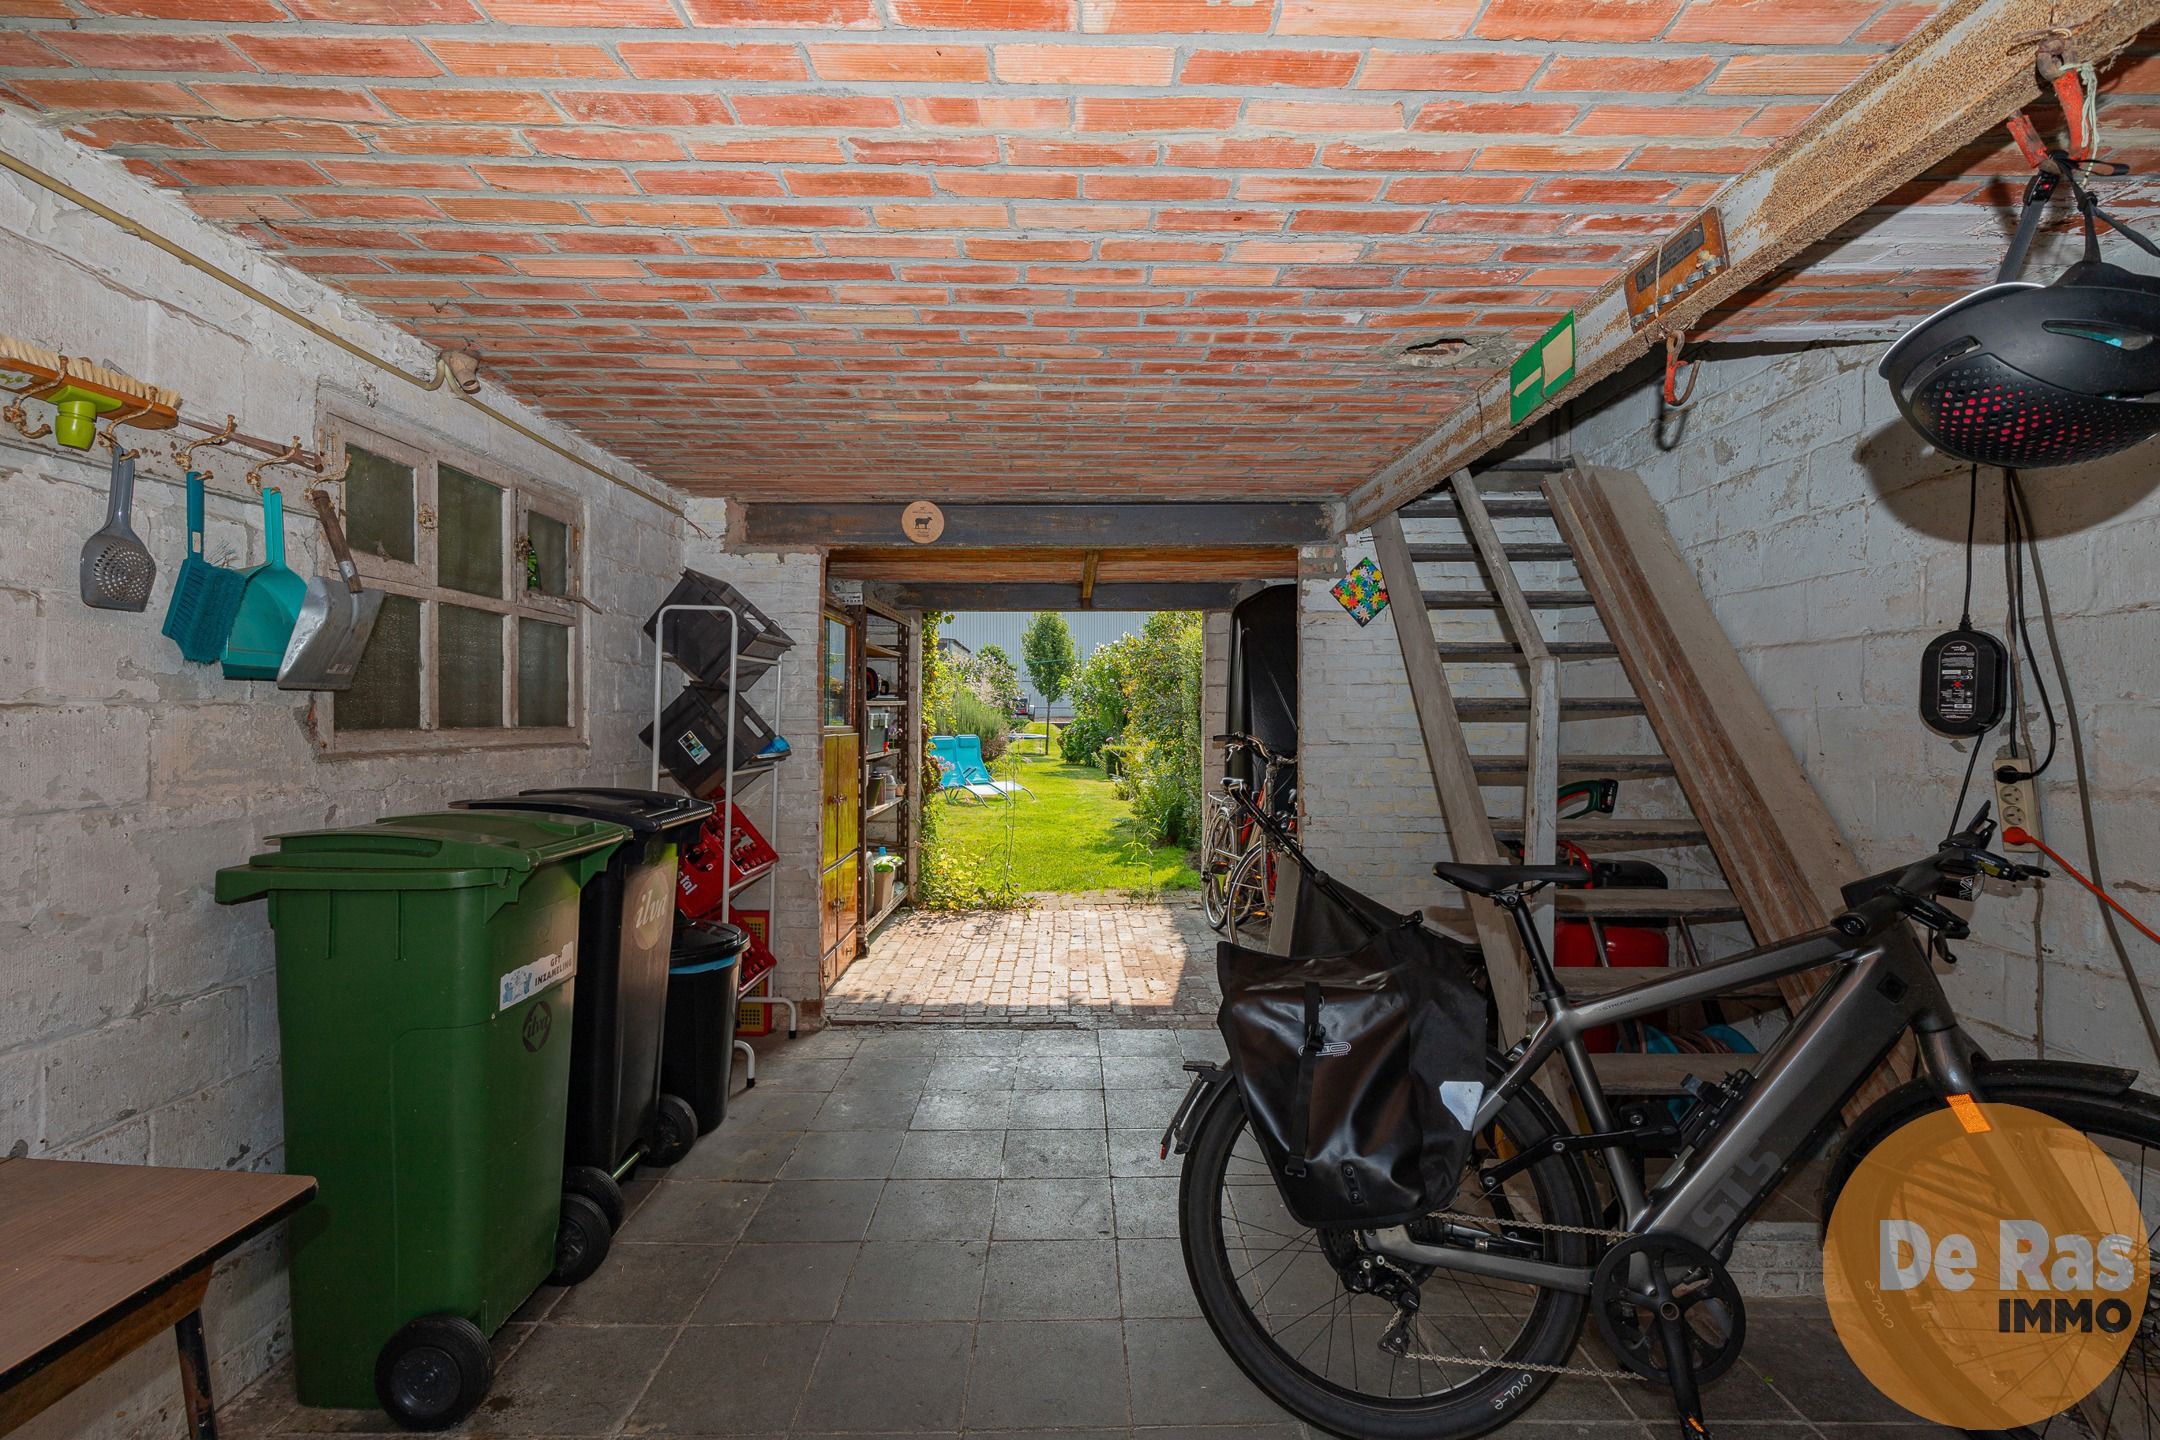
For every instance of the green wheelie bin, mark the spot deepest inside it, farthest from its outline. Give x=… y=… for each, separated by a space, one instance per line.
x=425 y=968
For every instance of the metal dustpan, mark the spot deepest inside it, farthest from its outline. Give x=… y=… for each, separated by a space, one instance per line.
x=336 y=618
x=255 y=648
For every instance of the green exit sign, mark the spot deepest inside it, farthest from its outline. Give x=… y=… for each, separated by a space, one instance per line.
x=1539 y=372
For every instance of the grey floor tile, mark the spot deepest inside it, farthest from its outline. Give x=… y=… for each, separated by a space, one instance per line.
x=1800 y=1363
x=1052 y=1280
x=832 y=1040
x=1201 y=1044
x=865 y=1107
x=1057 y=1110
x=694 y=1212
x=1034 y=1374
x=1043 y=1043
x=960 y=1040
x=1139 y=1042
x=1146 y=1208
x=732 y=1154
x=963 y=1110
x=887 y=1072
x=1055 y=1154
x=729 y=1380
x=1152 y=1283
x=902 y=1280
x=950 y=1155
x=1180 y=1376
x=805 y=1210
x=844 y=1155
x=1221 y=1432
x=763 y=1109
x=571 y=1379
x=1143 y=1109
x=889 y=1377
x=1058 y=1072
x=973 y=1072
x=1143 y=1072
x=768 y=1284
x=1053 y=1210
x=1139 y=1152
x=878 y=1044
x=788 y=1070
x=643 y=1284
x=935 y=1210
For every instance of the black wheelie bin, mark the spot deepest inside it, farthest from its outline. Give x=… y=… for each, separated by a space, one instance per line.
x=619 y=1115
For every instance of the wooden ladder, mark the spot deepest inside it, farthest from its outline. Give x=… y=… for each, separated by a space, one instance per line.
x=1753 y=817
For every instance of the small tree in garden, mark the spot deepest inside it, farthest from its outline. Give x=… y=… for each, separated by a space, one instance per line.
x=1048 y=649
x=990 y=673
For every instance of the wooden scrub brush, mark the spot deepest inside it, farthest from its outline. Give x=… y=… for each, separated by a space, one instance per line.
x=83 y=393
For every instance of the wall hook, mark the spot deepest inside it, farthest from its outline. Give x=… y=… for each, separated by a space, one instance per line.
x=110 y=436
x=1675 y=398
x=185 y=454
x=15 y=415
x=290 y=457
x=322 y=483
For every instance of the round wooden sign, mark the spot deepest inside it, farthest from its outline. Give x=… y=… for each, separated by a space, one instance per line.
x=922 y=522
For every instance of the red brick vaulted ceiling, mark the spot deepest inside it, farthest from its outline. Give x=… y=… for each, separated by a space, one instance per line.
x=966 y=248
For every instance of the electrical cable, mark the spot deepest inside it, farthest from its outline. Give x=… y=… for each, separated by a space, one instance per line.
x=2076 y=734
x=1972 y=519
x=2018 y=537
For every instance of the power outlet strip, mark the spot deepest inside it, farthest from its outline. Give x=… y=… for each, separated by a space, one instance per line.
x=2016 y=802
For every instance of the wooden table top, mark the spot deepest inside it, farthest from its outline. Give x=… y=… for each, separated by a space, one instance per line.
x=81 y=1243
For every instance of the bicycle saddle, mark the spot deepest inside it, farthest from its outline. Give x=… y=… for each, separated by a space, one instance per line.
x=1487 y=879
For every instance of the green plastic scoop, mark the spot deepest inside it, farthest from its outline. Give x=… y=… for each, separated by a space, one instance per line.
x=269 y=605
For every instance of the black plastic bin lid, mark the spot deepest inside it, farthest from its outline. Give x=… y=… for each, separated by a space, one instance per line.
x=703 y=945
x=645 y=813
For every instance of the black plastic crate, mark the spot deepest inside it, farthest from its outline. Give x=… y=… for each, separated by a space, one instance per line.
x=698 y=642
x=695 y=748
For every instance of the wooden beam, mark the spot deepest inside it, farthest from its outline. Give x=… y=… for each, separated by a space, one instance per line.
x=1088 y=562
x=1455 y=781
x=1965 y=71
x=1180 y=525
x=1035 y=595
x=1775 y=840
x=923 y=565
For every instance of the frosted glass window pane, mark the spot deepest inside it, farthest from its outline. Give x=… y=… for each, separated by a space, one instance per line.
x=472 y=668
x=385 y=692
x=550 y=540
x=379 y=506
x=543 y=673
x=469 y=553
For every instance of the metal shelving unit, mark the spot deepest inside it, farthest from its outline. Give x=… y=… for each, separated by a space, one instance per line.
x=887 y=644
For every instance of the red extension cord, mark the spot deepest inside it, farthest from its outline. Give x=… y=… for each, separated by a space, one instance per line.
x=2017 y=835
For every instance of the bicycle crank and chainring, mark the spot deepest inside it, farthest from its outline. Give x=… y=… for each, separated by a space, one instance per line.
x=1695 y=1284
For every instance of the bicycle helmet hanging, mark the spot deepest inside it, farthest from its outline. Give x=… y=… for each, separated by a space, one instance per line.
x=2029 y=375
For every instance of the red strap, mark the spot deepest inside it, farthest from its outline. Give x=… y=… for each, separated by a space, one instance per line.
x=2028 y=139
x=2016 y=835
x=2076 y=107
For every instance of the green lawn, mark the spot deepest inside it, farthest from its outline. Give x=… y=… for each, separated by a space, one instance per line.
x=1074 y=834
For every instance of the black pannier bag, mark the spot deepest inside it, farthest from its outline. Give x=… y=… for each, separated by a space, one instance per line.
x=1361 y=1072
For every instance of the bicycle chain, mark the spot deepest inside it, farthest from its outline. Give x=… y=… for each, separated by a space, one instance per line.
x=1486 y=1362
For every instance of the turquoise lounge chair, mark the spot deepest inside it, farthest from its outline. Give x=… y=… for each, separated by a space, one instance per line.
x=976 y=772
x=953 y=773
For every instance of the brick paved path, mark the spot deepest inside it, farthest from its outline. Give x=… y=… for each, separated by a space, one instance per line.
x=1089 y=960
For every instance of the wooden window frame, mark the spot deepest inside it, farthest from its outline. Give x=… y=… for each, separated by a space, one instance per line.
x=522 y=496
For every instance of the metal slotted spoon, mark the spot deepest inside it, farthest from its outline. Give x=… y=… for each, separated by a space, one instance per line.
x=117 y=571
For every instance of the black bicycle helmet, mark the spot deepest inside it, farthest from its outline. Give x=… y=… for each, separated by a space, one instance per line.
x=2027 y=375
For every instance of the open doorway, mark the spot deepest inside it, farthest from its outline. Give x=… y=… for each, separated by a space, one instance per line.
x=1070 y=749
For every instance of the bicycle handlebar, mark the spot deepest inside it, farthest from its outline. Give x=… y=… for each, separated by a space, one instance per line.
x=1880 y=899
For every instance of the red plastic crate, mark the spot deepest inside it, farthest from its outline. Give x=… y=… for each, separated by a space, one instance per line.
x=757 y=960
x=700 y=885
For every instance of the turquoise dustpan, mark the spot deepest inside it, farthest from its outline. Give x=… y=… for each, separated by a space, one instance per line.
x=269 y=606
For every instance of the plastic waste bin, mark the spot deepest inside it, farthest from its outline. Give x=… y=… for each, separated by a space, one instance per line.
x=425 y=971
x=618 y=1112
x=704 y=987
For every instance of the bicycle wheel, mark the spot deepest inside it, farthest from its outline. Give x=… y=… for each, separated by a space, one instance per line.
x=1272 y=1290
x=2127 y=1128
x=1248 y=898
x=1218 y=857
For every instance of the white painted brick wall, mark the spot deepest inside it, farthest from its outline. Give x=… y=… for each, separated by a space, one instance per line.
x=1830 y=544
x=137 y=1018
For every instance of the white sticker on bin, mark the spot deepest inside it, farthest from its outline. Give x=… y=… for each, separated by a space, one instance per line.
x=529 y=980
